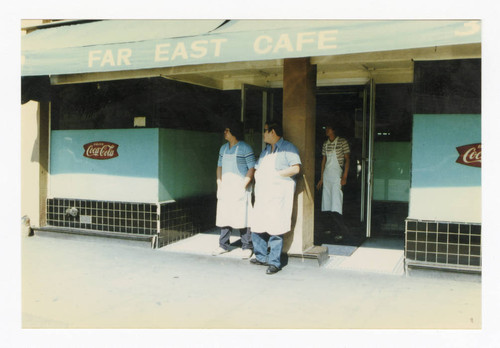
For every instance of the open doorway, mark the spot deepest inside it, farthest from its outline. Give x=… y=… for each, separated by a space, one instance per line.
x=373 y=205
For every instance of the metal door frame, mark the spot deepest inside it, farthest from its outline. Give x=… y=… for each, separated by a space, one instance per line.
x=267 y=104
x=367 y=154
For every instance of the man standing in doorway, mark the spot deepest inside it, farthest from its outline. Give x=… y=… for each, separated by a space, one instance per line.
x=334 y=171
x=276 y=168
x=235 y=171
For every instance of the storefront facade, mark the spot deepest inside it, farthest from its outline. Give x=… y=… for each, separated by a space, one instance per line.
x=129 y=123
x=444 y=224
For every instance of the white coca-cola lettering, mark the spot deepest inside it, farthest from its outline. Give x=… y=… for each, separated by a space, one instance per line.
x=472 y=155
x=103 y=151
x=100 y=150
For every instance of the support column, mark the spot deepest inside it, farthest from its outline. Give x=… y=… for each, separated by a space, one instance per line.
x=43 y=140
x=299 y=127
x=34 y=160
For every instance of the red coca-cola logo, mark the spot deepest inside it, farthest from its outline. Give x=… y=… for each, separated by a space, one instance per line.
x=100 y=150
x=470 y=155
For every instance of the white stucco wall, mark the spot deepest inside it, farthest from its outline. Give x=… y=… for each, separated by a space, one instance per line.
x=460 y=204
x=30 y=190
x=104 y=188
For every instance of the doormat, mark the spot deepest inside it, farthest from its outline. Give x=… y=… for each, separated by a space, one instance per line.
x=340 y=250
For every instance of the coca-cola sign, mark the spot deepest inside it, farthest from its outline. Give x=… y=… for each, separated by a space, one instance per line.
x=100 y=150
x=470 y=155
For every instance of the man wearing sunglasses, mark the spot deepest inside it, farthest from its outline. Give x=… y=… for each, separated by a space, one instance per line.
x=235 y=170
x=276 y=169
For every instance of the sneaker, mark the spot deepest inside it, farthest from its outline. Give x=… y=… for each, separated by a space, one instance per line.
x=219 y=251
x=246 y=254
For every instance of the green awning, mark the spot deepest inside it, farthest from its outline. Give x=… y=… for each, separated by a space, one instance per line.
x=116 y=45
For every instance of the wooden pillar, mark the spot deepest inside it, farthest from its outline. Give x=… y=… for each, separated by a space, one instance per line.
x=299 y=127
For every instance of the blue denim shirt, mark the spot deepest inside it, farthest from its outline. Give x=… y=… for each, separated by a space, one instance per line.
x=287 y=154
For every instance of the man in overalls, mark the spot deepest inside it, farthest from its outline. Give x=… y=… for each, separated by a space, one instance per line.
x=334 y=171
x=271 y=217
x=235 y=171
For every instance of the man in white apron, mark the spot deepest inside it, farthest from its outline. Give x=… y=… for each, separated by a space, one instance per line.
x=334 y=171
x=271 y=217
x=235 y=171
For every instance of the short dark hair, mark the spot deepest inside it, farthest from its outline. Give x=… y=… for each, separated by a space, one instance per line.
x=236 y=128
x=278 y=128
x=330 y=125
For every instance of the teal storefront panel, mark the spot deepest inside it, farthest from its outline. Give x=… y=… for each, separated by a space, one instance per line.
x=137 y=152
x=184 y=162
x=434 y=150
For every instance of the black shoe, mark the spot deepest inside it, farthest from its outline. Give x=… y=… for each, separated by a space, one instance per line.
x=257 y=262
x=272 y=269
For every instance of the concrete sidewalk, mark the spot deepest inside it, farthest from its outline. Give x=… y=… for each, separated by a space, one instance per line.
x=88 y=282
x=383 y=256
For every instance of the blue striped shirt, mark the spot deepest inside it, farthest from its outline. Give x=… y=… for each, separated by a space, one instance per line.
x=245 y=158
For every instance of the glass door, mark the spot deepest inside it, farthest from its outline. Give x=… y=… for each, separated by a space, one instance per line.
x=256 y=109
x=358 y=194
x=351 y=109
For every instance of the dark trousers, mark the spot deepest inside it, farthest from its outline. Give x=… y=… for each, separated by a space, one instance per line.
x=336 y=221
x=245 y=234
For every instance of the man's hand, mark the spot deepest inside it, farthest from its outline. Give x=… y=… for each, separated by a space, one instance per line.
x=320 y=183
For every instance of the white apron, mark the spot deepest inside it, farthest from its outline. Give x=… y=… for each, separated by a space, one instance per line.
x=272 y=211
x=332 y=188
x=233 y=200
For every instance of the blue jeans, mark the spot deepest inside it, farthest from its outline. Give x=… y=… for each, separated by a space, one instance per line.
x=261 y=242
x=245 y=234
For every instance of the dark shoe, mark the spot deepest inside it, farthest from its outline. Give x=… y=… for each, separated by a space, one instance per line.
x=338 y=238
x=257 y=262
x=272 y=269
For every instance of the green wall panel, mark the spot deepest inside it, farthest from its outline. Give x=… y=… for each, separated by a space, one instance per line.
x=187 y=163
x=391 y=171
